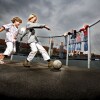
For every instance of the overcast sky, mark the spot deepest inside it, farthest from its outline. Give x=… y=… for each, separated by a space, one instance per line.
x=60 y=15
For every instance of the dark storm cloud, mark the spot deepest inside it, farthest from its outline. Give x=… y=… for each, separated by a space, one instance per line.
x=77 y=13
x=23 y=8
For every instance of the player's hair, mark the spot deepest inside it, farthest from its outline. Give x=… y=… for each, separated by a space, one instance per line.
x=16 y=19
x=32 y=16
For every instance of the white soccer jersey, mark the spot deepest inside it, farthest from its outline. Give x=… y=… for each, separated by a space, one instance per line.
x=12 y=32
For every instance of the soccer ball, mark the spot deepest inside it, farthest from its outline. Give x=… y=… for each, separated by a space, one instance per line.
x=22 y=30
x=57 y=64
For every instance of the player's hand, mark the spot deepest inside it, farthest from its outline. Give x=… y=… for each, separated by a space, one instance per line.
x=13 y=40
x=47 y=27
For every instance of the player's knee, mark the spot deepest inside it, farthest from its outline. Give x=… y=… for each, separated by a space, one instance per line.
x=34 y=52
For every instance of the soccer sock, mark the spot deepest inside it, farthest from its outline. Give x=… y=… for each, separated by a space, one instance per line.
x=48 y=60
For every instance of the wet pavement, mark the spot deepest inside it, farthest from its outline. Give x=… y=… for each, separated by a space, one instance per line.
x=40 y=82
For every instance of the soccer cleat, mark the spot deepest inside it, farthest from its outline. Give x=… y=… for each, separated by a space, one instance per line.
x=26 y=63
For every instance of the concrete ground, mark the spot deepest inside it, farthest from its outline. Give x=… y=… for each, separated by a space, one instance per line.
x=40 y=82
